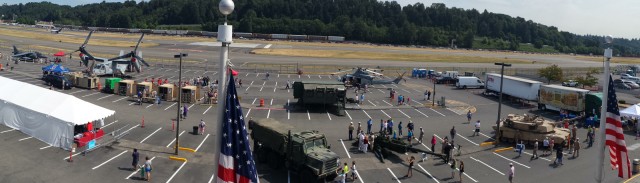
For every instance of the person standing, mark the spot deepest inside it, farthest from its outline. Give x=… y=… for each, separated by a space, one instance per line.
x=383 y=126
x=361 y=141
x=390 y=127
x=365 y=144
x=421 y=135
x=410 y=172
x=353 y=171
x=433 y=143
x=202 y=125
x=351 y=127
x=576 y=148
x=410 y=126
x=359 y=129
x=520 y=148
x=512 y=172
x=545 y=146
x=136 y=157
x=477 y=132
x=240 y=82
x=461 y=170
x=362 y=98
x=369 y=124
x=535 y=150
x=287 y=86
x=453 y=169
x=400 y=129
x=148 y=168
x=447 y=152
x=428 y=94
x=185 y=111
x=452 y=132
x=469 y=116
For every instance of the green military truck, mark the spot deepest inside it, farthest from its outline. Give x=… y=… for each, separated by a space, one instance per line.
x=305 y=152
x=321 y=93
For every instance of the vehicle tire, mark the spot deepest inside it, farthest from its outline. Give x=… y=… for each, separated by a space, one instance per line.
x=464 y=87
x=307 y=176
x=275 y=161
x=261 y=154
x=330 y=178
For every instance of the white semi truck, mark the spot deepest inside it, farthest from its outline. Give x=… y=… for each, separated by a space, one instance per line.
x=513 y=86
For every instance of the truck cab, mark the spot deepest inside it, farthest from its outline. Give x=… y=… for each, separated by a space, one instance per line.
x=310 y=150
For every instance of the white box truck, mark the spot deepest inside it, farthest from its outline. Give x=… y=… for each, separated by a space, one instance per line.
x=465 y=82
x=557 y=97
x=513 y=86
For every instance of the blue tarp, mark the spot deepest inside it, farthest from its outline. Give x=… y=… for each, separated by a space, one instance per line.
x=55 y=68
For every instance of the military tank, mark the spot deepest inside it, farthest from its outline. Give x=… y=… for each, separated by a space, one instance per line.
x=528 y=128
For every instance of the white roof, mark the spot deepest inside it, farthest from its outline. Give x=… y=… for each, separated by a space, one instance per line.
x=516 y=78
x=566 y=88
x=52 y=103
x=632 y=111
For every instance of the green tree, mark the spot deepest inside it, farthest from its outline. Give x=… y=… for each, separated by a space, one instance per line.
x=551 y=73
x=589 y=79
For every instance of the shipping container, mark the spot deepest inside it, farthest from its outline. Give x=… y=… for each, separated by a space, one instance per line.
x=211 y=34
x=298 y=37
x=158 y=31
x=335 y=38
x=562 y=97
x=513 y=86
x=134 y=30
x=262 y=36
x=279 y=36
x=243 y=34
x=318 y=38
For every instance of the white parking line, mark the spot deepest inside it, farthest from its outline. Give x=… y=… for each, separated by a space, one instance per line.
x=385 y=101
x=345 y=148
x=104 y=97
x=254 y=101
x=319 y=76
x=76 y=92
x=385 y=113
x=329 y=76
x=437 y=112
x=109 y=124
x=268 y=113
x=394 y=85
x=348 y=115
x=422 y=144
x=383 y=86
x=247 y=115
x=90 y=94
x=205 y=111
x=329 y=116
x=257 y=74
x=205 y=73
x=275 y=87
x=309 y=76
x=404 y=114
x=45 y=147
x=308 y=115
x=263 y=85
x=191 y=106
x=174 y=139
x=138 y=170
x=24 y=138
x=511 y=160
x=365 y=112
x=271 y=103
x=394 y=175
x=150 y=135
x=174 y=173
x=8 y=130
x=170 y=106
x=381 y=91
x=538 y=156
x=109 y=160
x=372 y=103
x=119 y=99
x=249 y=86
x=148 y=106
x=421 y=113
x=205 y=138
x=425 y=171
x=486 y=136
x=405 y=90
x=487 y=165
x=288 y=113
x=453 y=111
x=467 y=139
x=132 y=103
x=246 y=75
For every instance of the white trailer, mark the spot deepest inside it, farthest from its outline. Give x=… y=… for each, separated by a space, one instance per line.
x=513 y=86
x=556 y=97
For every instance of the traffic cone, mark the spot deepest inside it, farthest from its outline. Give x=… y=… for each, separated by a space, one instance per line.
x=262 y=102
x=142 y=122
x=99 y=86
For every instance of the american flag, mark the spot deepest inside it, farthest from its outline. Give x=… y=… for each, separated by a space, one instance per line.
x=614 y=135
x=236 y=162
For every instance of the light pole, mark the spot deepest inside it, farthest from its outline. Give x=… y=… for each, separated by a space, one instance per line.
x=181 y=55
x=225 y=36
x=500 y=102
x=433 y=100
x=608 y=53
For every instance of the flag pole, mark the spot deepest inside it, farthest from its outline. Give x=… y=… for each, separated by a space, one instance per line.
x=225 y=36
x=603 y=112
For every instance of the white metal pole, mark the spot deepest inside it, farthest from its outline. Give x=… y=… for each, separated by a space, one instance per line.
x=224 y=55
x=603 y=119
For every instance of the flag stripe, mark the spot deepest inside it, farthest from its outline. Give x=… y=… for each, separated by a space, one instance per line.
x=614 y=133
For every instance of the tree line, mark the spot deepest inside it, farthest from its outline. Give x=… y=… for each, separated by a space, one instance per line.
x=361 y=20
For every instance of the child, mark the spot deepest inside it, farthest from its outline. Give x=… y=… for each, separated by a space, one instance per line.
x=354 y=176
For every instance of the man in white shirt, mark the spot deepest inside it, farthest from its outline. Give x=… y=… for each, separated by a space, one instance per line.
x=511 y=172
x=477 y=132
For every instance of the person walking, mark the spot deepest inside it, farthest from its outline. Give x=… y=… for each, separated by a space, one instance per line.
x=535 y=150
x=433 y=143
x=185 y=111
x=369 y=124
x=421 y=135
x=428 y=94
x=453 y=168
x=287 y=86
x=461 y=170
x=447 y=152
x=365 y=144
x=136 y=157
x=469 y=116
x=410 y=126
x=351 y=127
x=558 y=156
x=552 y=143
x=359 y=129
x=354 y=176
x=345 y=172
x=410 y=137
x=361 y=141
x=452 y=132
x=512 y=172
x=410 y=172
x=390 y=127
x=545 y=146
x=477 y=132
x=520 y=148
x=362 y=98
x=202 y=125
x=240 y=82
x=382 y=125
x=266 y=76
x=148 y=168
x=400 y=129
x=576 y=148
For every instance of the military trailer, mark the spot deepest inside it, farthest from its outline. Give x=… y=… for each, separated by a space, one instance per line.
x=304 y=152
x=323 y=93
x=110 y=84
x=168 y=92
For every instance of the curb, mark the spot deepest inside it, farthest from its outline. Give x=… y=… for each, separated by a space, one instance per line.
x=503 y=149
x=186 y=149
x=177 y=158
x=487 y=143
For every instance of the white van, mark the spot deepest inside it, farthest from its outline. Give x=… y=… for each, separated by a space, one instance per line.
x=451 y=74
x=469 y=82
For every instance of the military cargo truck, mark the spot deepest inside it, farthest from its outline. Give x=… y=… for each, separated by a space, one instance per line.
x=304 y=152
x=322 y=93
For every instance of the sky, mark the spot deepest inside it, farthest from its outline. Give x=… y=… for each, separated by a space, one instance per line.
x=596 y=17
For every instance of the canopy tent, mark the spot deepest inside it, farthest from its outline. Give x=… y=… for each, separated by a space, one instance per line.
x=632 y=111
x=59 y=54
x=55 y=68
x=47 y=115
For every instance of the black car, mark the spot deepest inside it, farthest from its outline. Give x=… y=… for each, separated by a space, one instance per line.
x=57 y=81
x=446 y=80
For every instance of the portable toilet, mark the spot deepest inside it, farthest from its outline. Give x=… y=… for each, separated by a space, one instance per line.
x=414 y=73
x=190 y=94
x=168 y=92
x=110 y=84
x=125 y=88
x=422 y=73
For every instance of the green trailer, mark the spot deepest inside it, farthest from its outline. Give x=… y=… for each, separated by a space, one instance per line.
x=593 y=101
x=321 y=93
x=110 y=84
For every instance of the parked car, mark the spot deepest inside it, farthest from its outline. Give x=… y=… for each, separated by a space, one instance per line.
x=445 y=80
x=469 y=82
x=626 y=76
x=619 y=84
x=570 y=83
x=57 y=81
x=632 y=84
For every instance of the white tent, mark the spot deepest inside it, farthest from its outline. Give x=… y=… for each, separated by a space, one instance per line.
x=47 y=115
x=632 y=111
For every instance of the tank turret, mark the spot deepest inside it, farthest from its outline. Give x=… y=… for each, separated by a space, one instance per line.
x=528 y=128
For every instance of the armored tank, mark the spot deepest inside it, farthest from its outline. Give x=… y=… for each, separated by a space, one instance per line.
x=529 y=128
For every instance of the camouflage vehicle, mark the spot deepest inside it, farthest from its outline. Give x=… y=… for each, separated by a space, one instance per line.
x=529 y=128
x=323 y=93
x=305 y=152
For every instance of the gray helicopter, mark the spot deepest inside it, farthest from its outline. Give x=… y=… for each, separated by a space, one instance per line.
x=367 y=76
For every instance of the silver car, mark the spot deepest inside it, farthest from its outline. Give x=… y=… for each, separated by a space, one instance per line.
x=631 y=84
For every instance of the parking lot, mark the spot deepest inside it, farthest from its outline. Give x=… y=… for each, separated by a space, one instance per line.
x=112 y=163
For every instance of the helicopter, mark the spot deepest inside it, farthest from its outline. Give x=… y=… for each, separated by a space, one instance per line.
x=367 y=76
